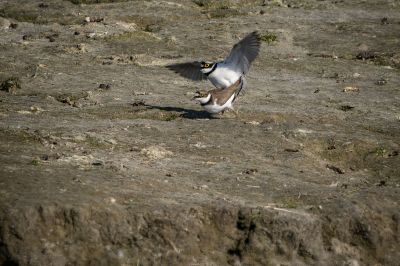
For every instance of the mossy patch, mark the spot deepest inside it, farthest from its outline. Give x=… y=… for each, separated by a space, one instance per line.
x=380 y=152
x=94 y=142
x=19 y=14
x=135 y=112
x=87 y=2
x=129 y=35
x=145 y=23
x=289 y=203
x=211 y=4
x=269 y=38
x=27 y=13
x=220 y=9
x=224 y=12
x=35 y=162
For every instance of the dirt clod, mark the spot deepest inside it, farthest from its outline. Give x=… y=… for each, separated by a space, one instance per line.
x=11 y=85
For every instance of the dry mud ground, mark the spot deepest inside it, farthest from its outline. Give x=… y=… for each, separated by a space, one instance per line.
x=105 y=160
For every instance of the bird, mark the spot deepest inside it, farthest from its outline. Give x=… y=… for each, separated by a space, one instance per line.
x=217 y=100
x=228 y=75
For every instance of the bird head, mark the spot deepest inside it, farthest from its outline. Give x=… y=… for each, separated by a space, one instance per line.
x=206 y=66
x=202 y=96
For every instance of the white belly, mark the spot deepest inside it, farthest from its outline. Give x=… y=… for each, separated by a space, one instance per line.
x=223 y=77
x=215 y=108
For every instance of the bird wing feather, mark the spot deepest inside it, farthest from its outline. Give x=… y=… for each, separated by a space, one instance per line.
x=244 y=52
x=223 y=95
x=190 y=70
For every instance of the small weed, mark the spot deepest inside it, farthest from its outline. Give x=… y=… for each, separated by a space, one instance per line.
x=169 y=116
x=202 y=3
x=35 y=162
x=95 y=142
x=269 y=38
x=380 y=152
x=289 y=203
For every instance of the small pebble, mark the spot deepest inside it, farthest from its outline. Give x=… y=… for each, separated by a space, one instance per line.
x=111 y=141
x=250 y=171
x=140 y=93
x=254 y=123
x=351 y=89
x=91 y=35
x=384 y=21
x=346 y=108
x=81 y=47
x=43 y=5
x=138 y=103
x=291 y=150
x=381 y=82
x=27 y=37
x=105 y=86
x=335 y=169
x=97 y=162
x=4 y=23
x=381 y=183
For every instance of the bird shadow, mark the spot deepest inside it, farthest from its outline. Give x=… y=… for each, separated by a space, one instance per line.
x=185 y=113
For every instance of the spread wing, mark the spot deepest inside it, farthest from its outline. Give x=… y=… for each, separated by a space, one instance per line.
x=190 y=70
x=244 y=52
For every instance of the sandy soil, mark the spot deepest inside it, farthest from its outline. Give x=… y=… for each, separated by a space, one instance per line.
x=105 y=160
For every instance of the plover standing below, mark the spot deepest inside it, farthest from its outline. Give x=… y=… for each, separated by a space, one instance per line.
x=217 y=100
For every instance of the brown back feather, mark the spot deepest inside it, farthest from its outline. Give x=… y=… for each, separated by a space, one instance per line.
x=222 y=95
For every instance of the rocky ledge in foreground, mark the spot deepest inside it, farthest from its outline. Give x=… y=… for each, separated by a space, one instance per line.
x=225 y=234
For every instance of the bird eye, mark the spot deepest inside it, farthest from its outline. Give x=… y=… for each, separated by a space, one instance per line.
x=206 y=65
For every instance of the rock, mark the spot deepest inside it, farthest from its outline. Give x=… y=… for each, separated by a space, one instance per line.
x=351 y=89
x=346 y=108
x=254 y=123
x=138 y=103
x=366 y=55
x=363 y=47
x=82 y=47
x=156 y=152
x=4 y=24
x=97 y=162
x=105 y=86
x=335 y=169
x=381 y=82
x=111 y=141
x=43 y=5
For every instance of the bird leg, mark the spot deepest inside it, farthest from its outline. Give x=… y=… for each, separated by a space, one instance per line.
x=235 y=111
